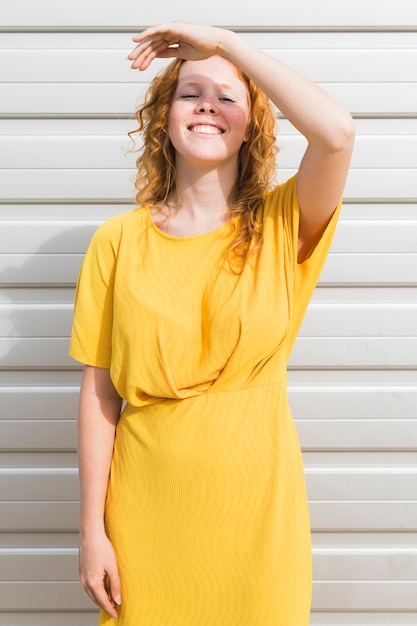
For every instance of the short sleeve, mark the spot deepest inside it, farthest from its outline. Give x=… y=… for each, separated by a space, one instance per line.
x=304 y=275
x=308 y=273
x=91 y=337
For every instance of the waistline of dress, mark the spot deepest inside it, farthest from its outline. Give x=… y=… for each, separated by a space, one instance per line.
x=211 y=395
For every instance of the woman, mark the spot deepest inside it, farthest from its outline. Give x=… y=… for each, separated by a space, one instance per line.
x=186 y=310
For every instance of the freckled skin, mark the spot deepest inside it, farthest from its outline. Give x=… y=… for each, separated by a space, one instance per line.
x=209 y=93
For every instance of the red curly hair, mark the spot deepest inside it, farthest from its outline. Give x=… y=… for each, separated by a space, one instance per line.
x=156 y=172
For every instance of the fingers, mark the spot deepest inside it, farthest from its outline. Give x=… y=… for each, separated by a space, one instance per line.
x=156 y=41
x=99 y=574
x=149 y=49
x=170 y=33
x=96 y=590
x=144 y=53
x=190 y=42
x=114 y=586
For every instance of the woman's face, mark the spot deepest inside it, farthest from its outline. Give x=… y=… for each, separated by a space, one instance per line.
x=209 y=113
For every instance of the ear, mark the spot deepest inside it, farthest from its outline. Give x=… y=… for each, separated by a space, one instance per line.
x=247 y=134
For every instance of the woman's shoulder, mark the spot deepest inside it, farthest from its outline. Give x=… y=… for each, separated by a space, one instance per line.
x=114 y=227
x=282 y=192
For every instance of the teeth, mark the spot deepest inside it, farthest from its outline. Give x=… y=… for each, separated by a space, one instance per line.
x=206 y=129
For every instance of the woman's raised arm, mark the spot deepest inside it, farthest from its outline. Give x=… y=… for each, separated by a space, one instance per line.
x=326 y=125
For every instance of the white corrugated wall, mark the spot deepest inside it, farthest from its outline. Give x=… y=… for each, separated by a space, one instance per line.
x=66 y=101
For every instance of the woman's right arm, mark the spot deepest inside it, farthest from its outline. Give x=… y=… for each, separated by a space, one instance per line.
x=100 y=406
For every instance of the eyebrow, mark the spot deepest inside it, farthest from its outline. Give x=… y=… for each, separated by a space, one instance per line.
x=196 y=83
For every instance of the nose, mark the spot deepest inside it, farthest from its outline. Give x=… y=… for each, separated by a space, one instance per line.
x=207 y=106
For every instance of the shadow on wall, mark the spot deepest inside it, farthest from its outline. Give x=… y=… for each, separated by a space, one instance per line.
x=36 y=301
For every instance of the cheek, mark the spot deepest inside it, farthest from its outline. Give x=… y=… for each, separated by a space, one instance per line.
x=242 y=122
x=172 y=128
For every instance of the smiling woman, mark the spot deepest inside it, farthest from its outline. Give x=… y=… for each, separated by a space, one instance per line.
x=207 y=125
x=236 y=100
x=187 y=309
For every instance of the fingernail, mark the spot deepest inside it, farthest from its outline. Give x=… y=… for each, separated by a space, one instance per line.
x=118 y=600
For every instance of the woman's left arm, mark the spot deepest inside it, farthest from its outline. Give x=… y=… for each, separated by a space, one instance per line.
x=326 y=125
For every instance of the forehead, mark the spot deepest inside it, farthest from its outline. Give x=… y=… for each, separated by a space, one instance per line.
x=215 y=68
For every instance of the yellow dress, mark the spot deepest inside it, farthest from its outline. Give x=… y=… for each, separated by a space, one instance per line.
x=206 y=505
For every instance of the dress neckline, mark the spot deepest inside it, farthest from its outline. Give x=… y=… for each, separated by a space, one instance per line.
x=210 y=233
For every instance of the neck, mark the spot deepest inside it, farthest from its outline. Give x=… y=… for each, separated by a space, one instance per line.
x=203 y=193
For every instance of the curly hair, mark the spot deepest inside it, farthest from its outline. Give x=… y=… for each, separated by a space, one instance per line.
x=156 y=173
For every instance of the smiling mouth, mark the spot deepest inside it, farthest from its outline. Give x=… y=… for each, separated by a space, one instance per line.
x=206 y=129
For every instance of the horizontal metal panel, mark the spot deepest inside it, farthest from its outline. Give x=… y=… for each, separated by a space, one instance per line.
x=350 y=402
x=345 y=352
x=39 y=516
x=353 y=484
x=77 y=151
x=38 y=403
x=370 y=151
x=47 y=184
x=36 y=295
x=308 y=377
x=51 y=618
x=350 y=295
x=69 y=184
x=324 y=484
x=120 y=127
x=383 y=564
x=336 y=378
x=327 y=595
x=38 y=458
x=350 y=458
x=297 y=14
x=46 y=236
x=314 y=434
x=342 y=402
x=368 y=269
x=326 y=320
x=370 y=236
x=39 y=269
x=363 y=516
x=27 y=378
x=308 y=352
x=46 y=352
x=79 y=214
x=39 y=540
x=121 y=99
x=340 y=269
x=70 y=236
x=47 y=596
x=77 y=65
x=39 y=564
x=66 y=100
x=326 y=516
x=263 y=38
x=31 y=320
x=355 y=618
x=364 y=596
x=38 y=435
x=363 y=541
x=354 y=434
x=359 y=320
x=46 y=484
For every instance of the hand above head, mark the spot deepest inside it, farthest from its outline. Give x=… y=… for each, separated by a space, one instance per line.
x=191 y=42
